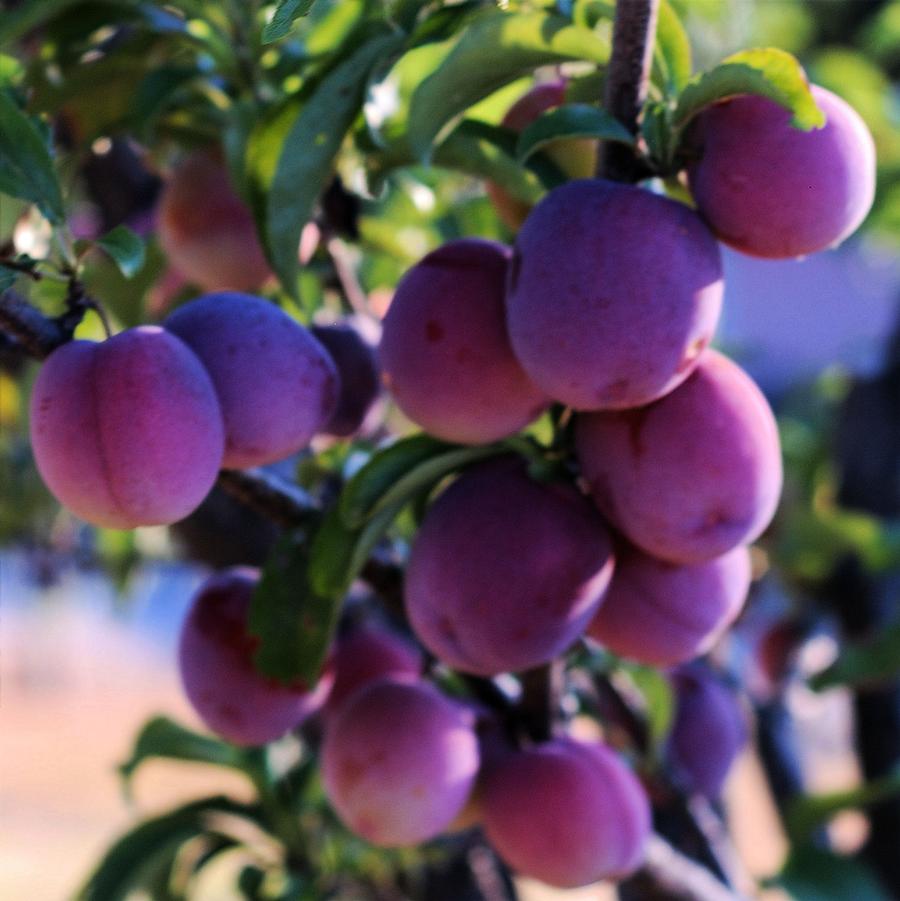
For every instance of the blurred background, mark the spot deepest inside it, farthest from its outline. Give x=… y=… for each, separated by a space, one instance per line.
x=89 y=618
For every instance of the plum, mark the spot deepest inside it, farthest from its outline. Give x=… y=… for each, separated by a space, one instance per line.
x=127 y=432
x=708 y=732
x=445 y=354
x=357 y=366
x=613 y=294
x=577 y=157
x=215 y=656
x=399 y=762
x=663 y=613
x=366 y=654
x=566 y=812
x=505 y=572
x=206 y=230
x=771 y=190
x=276 y=384
x=694 y=474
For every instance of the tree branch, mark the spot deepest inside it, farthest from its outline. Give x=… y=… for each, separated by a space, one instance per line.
x=627 y=80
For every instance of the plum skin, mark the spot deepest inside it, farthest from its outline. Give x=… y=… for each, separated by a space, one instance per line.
x=662 y=614
x=505 y=572
x=367 y=654
x=709 y=730
x=127 y=432
x=693 y=475
x=566 y=812
x=444 y=352
x=357 y=366
x=576 y=157
x=613 y=294
x=770 y=190
x=215 y=658
x=399 y=762
x=275 y=383
x=206 y=230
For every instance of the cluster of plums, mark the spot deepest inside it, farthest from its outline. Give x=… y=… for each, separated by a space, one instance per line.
x=403 y=763
x=606 y=305
x=132 y=431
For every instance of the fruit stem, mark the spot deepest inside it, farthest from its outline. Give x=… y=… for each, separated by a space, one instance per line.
x=627 y=80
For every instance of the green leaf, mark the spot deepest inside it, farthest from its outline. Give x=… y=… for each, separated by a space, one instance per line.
x=125 y=249
x=767 y=71
x=515 y=45
x=164 y=738
x=865 y=663
x=385 y=467
x=290 y=154
x=26 y=169
x=11 y=71
x=672 y=54
x=286 y=13
x=814 y=875
x=574 y=120
x=659 y=701
x=29 y=15
x=804 y=814
x=292 y=621
x=124 y=865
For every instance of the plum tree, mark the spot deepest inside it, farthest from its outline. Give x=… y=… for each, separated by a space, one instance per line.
x=445 y=354
x=692 y=475
x=575 y=157
x=399 y=762
x=613 y=294
x=206 y=230
x=505 y=572
x=357 y=366
x=272 y=410
x=771 y=190
x=127 y=432
x=708 y=732
x=566 y=812
x=215 y=657
x=368 y=653
x=663 y=613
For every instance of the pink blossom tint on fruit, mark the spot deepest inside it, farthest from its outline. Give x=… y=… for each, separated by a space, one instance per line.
x=771 y=190
x=568 y=813
x=127 y=432
x=399 y=762
x=708 y=732
x=613 y=294
x=662 y=613
x=369 y=653
x=276 y=384
x=693 y=475
x=445 y=354
x=206 y=230
x=506 y=572
x=215 y=656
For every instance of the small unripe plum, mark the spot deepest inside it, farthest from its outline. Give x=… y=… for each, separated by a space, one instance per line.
x=506 y=572
x=576 y=157
x=709 y=730
x=369 y=653
x=663 y=613
x=613 y=294
x=206 y=230
x=445 y=354
x=357 y=365
x=399 y=762
x=127 y=432
x=771 y=190
x=566 y=812
x=215 y=656
x=276 y=384
x=694 y=474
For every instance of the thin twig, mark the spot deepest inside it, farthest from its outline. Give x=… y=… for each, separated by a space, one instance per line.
x=627 y=79
x=284 y=503
x=346 y=276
